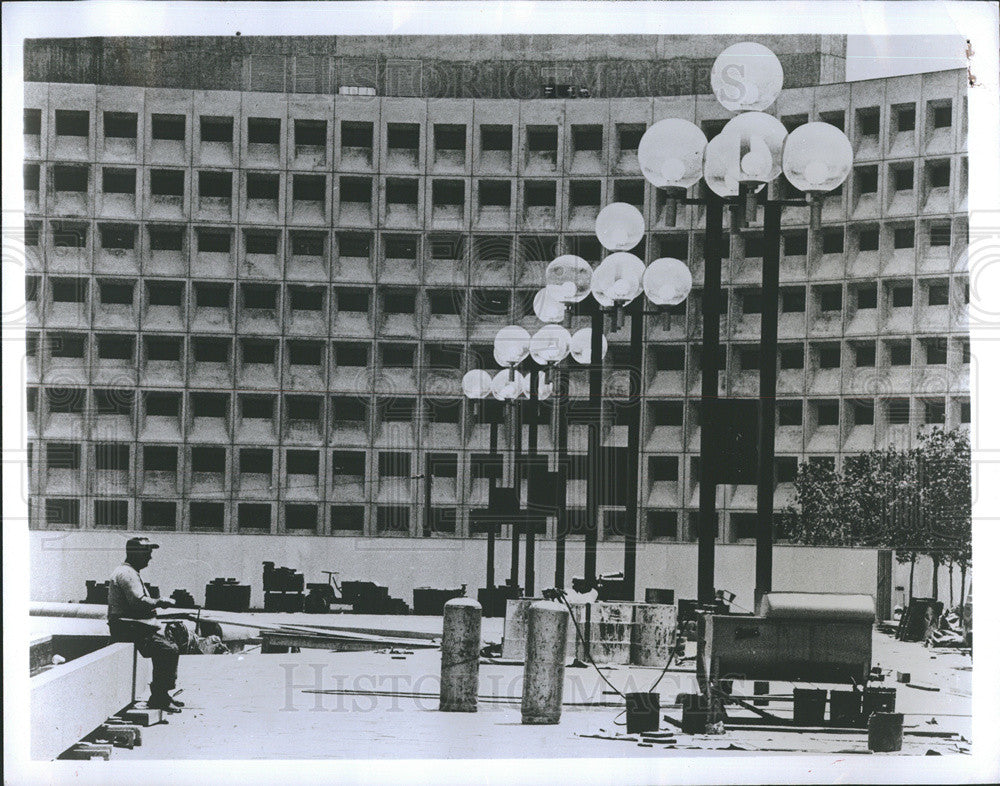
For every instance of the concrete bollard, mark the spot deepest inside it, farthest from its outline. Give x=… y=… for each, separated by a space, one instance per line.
x=460 y=644
x=544 y=663
x=885 y=732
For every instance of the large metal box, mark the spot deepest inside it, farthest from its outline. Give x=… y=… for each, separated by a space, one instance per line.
x=810 y=637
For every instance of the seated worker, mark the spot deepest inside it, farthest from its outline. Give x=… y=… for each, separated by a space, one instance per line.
x=132 y=617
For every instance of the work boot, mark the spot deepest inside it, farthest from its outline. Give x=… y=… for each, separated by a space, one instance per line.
x=160 y=700
x=175 y=701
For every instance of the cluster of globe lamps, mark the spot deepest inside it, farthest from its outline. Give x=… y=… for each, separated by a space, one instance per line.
x=750 y=151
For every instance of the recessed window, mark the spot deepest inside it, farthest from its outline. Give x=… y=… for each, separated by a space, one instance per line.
x=398 y=410
x=662 y=524
x=355 y=134
x=68 y=290
x=308 y=244
x=629 y=135
x=259 y=296
x=116 y=292
x=631 y=192
x=833 y=240
x=403 y=136
x=750 y=300
x=263 y=130
x=72 y=122
x=588 y=138
x=789 y=413
x=302 y=462
x=494 y=193
x=868 y=239
x=936 y=351
x=899 y=354
x=965 y=412
x=828 y=356
x=67 y=345
x=898 y=411
x=61 y=512
x=448 y=193
x=214 y=241
x=902 y=296
x=753 y=245
x=867 y=121
x=305 y=353
x=309 y=188
x=115 y=401
x=669 y=358
x=830 y=299
x=934 y=412
x=354 y=245
x=712 y=128
x=401 y=191
x=791 y=357
x=162 y=404
x=352 y=300
x=542 y=139
x=32 y=122
x=304 y=408
x=352 y=355
x=867 y=297
x=941 y=114
x=663 y=468
x=115 y=347
x=207 y=516
x=864 y=355
x=111 y=456
x=300 y=516
x=62 y=455
x=211 y=350
x=937 y=294
x=397 y=355
x=497 y=137
x=167 y=182
x=258 y=351
x=666 y=413
x=796 y=244
x=939 y=235
x=905 y=117
x=164 y=348
x=306 y=298
x=393 y=464
x=902 y=177
x=393 y=518
x=349 y=410
x=347 y=518
x=208 y=459
x=73 y=179
x=253 y=516
x=262 y=186
x=117 y=236
x=168 y=127
x=938 y=173
x=585 y=193
x=212 y=295
x=827 y=413
x=210 y=405
x=866 y=179
x=449 y=137
x=749 y=359
x=169 y=293
x=356 y=189
x=216 y=129
x=310 y=133
x=120 y=125
x=786 y=469
x=793 y=300
x=540 y=193
x=399 y=303
x=159 y=458
x=864 y=412
x=257 y=407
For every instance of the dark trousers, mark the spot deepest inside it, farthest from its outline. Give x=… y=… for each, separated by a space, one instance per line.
x=159 y=649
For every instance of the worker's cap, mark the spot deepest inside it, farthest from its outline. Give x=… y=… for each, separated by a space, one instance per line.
x=140 y=545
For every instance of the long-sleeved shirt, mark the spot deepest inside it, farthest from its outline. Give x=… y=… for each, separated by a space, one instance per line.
x=127 y=595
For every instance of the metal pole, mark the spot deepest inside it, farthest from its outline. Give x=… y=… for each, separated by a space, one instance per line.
x=491 y=536
x=428 y=473
x=561 y=395
x=529 y=533
x=515 y=529
x=768 y=383
x=595 y=463
x=634 y=403
x=711 y=301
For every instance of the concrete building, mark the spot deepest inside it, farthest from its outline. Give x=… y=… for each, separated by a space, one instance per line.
x=259 y=267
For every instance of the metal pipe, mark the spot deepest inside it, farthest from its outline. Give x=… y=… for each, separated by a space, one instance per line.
x=768 y=383
x=632 y=480
x=561 y=395
x=594 y=463
x=491 y=536
x=529 y=532
x=515 y=528
x=711 y=300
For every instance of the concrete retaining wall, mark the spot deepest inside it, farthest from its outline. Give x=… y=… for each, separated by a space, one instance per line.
x=71 y=700
x=61 y=563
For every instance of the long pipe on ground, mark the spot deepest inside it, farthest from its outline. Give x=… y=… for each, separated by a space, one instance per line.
x=90 y=611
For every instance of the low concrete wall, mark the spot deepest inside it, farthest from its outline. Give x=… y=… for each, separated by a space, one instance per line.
x=61 y=563
x=71 y=700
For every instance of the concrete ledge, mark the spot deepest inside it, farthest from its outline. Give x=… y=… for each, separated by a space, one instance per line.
x=71 y=700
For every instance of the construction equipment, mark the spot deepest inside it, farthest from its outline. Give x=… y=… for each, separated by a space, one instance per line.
x=227 y=595
x=282 y=588
x=321 y=596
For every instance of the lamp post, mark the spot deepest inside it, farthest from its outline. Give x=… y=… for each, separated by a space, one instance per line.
x=752 y=150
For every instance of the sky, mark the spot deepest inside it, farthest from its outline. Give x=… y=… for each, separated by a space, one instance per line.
x=871 y=57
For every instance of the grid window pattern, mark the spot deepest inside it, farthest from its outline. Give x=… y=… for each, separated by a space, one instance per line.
x=238 y=315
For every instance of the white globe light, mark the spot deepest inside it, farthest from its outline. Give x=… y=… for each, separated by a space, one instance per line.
x=548 y=306
x=508 y=385
x=817 y=157
x=761 y=139
x=667 y=281
x=722 y=163
x=510 y=346
x=569 y=277
x=671 y=153
x=476 y=384
x=747 y=77
x=618 y=279
x=579 y=346
x=619 y=226
x=550 y=344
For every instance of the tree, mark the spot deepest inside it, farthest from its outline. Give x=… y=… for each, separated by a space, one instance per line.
x=914 y=501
